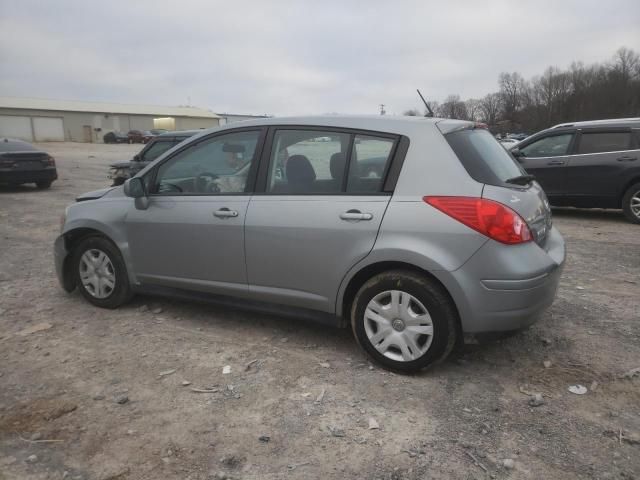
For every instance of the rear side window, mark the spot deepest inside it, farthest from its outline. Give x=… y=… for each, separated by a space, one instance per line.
x=483 y=157
x=553 y=146
x=601 y=142
x=369 y=159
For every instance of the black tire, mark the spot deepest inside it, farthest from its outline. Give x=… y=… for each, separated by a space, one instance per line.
x=434 y=298
x=44 y=184
x=121 y=292
x=632 y=191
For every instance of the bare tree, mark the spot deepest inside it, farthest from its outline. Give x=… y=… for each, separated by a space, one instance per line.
x=474 y=109
x=453 y=107
x=490 y=107
x=512 y=87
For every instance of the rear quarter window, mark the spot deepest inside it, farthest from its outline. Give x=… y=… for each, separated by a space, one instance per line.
x=483 y=157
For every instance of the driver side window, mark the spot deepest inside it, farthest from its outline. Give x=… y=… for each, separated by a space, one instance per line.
x=218 y=165
x=554 y=146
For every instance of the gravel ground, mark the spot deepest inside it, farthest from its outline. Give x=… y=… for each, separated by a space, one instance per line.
x=98 y=394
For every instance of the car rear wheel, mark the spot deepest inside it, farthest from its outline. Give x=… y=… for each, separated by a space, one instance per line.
x=631 y=203
x=43 y=184
x=404 y=321
x=100 y=272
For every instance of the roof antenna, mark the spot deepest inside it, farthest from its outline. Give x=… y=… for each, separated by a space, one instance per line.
x=430 y=112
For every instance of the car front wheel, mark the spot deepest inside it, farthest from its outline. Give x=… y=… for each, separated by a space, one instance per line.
x=100 y=272
x=404 y=320
x=631 y=203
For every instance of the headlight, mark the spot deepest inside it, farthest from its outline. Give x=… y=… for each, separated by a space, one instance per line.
x=63 y=219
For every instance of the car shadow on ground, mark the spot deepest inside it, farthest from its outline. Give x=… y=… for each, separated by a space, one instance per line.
x=589 y=214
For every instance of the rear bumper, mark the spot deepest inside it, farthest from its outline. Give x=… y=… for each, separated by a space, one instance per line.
x=504 y=288
x=27 y=176
x=60 y=256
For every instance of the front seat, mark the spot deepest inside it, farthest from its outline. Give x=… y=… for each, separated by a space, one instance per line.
x=336 y=166
x=300 y=174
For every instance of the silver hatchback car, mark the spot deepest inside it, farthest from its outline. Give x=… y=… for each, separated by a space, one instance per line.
x=414 y=231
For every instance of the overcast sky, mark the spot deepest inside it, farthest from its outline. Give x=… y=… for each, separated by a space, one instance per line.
x=296 y=57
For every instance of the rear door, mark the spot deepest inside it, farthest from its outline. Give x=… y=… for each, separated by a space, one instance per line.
x=597 y=170
x=317 y=212
x=547 y=159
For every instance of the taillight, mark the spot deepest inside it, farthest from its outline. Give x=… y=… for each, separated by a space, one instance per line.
x=493 y=219
x=51 y=161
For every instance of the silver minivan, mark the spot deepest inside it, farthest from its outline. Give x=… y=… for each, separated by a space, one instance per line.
x=413 y=231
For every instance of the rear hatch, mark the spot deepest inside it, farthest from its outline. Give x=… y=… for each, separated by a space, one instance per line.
x=24 y=160
x=505 y=181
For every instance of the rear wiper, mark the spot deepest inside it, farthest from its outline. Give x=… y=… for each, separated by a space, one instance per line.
x=521 y=179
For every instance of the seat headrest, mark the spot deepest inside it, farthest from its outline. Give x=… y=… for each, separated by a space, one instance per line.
x=336 y=165
x=299 y=170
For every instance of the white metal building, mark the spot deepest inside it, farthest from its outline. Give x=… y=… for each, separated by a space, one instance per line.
x=42 y=120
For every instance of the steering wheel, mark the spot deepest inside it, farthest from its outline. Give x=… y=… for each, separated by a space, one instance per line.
x=205 y=183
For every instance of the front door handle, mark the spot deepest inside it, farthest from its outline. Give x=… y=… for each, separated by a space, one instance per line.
x=355 y=215
x=627 y=158
x=225 y=213
x=556 y=162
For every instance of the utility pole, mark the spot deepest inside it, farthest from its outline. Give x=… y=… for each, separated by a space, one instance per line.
x=382 y=110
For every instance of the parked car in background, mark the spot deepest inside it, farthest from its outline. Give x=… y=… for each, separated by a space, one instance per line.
x=120 y=171
x=115 y=137
x=518 y=136
x=154 y=132
x=135 y=136
x=587 y=164
x=454 y=238
x=21 y=162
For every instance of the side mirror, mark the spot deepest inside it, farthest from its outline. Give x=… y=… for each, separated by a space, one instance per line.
x=516 y=152
x=134 y=188
x=136 y=158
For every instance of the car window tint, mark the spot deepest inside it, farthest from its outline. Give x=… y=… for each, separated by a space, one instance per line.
x=600 y=142
x=553 y=146
x=307 y=161
x=369 y=160
x=217 y=165
x=156 y=149
x=484 y=158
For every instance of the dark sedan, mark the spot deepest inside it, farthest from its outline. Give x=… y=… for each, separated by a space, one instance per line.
x=21 y=162
x=115 y=137
x=135 y=136
x=151 y=134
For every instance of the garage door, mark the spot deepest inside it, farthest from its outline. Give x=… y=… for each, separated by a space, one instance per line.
x=16 y=127
x=48 y=129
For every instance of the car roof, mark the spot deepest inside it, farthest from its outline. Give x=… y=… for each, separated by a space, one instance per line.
x=179 y=133
x=12 y=145
x=382 y=123
x=618 y=122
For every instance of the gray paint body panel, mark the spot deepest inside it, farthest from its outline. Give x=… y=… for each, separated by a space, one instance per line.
x=296 y=251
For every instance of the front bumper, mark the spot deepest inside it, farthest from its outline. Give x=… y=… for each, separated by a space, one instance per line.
x=504 y=288
x=61 y=257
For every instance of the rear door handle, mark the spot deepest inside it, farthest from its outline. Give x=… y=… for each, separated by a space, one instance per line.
x=225 y=213
x=355 y=215
x=627 y=158
x=556 y=162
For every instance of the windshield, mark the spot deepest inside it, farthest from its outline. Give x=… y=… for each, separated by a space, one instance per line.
x=483 y=157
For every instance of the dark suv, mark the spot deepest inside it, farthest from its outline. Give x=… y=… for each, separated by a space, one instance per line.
x=120 y=171
x=587 y=164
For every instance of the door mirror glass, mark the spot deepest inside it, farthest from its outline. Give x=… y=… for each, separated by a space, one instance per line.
x=134 y=188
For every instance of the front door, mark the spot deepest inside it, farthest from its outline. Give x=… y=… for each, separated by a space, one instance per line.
x=318 y=216
x=192 y=233
x=547 y=158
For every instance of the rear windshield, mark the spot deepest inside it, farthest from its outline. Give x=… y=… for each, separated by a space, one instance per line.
x=483 y=157
x=15 y=146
